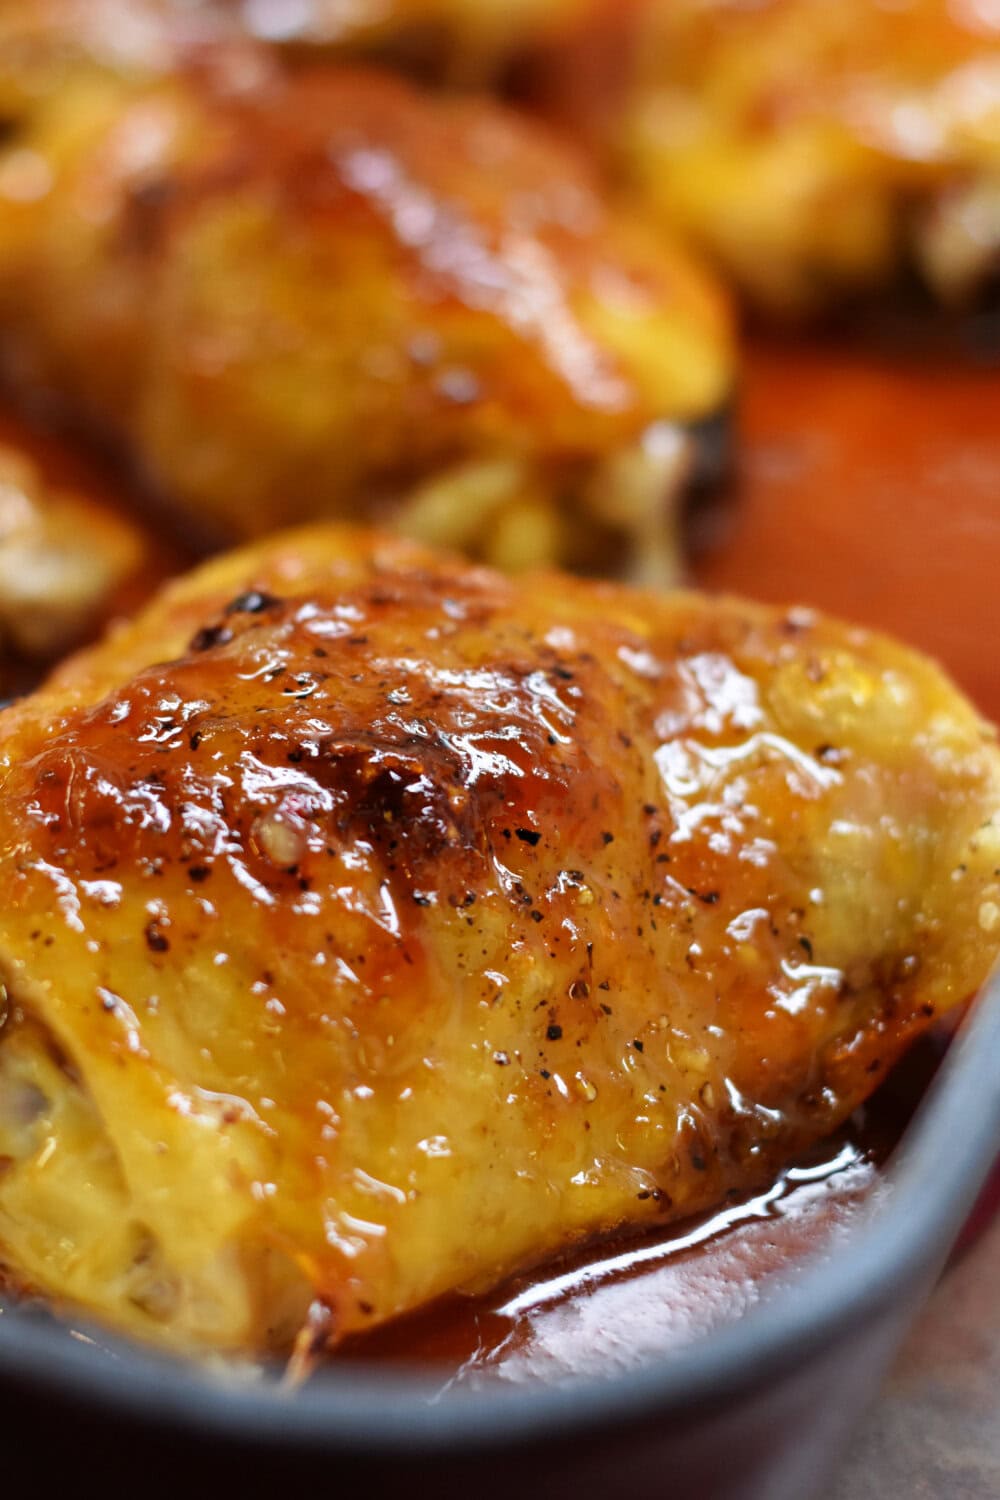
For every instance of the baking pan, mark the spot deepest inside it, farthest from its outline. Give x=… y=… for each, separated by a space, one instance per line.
x=756 y=1410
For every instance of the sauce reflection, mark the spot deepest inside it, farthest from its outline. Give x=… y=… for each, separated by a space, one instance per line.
x=604 y=1310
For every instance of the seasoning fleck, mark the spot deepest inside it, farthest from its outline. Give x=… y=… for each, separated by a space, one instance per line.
x=254 y=602
x=156 y=940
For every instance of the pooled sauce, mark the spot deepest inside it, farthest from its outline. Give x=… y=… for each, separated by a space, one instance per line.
x=600 y=1311
x=869 y=487
x=607 y=1307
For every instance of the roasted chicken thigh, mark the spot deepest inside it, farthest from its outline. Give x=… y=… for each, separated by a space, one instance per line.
x=308 y=293
x=818 y=150
x=372 y=926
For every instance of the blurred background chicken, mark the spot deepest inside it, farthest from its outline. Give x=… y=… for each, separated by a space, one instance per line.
x=71 y=558
x=820 y=150
x=289 y=293
x=817 y=150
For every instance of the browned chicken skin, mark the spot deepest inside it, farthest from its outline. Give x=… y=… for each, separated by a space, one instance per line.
x=372 y=926
x=292 y=295
x=818 y=150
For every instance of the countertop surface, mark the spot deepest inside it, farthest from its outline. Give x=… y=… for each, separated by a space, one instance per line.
x=935 y=1432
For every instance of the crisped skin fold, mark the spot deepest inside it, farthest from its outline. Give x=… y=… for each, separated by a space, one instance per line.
x=372 y=925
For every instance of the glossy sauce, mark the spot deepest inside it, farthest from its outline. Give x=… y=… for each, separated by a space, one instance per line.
x=870 y=487
x=604 y=1309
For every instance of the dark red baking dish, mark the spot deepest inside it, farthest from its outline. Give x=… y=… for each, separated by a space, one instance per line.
x=757 y=1410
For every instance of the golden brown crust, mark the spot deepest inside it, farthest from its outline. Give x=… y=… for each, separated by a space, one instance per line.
x=819 y=151
x=401 y=924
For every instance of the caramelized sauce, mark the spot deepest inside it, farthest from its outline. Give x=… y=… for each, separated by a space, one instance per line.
x=870 y=487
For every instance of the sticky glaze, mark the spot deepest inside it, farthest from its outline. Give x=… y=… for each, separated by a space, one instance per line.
x=302 y=295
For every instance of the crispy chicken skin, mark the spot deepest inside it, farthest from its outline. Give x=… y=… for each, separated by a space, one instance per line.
x=315 y=293
x=818 y=149
x=372 y=925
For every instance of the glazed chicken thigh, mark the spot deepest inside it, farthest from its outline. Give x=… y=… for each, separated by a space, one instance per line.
x=818 y=151
x=292 y=294
x=372 y=926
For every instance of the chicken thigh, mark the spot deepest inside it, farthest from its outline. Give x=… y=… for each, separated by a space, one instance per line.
x=373 y=925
